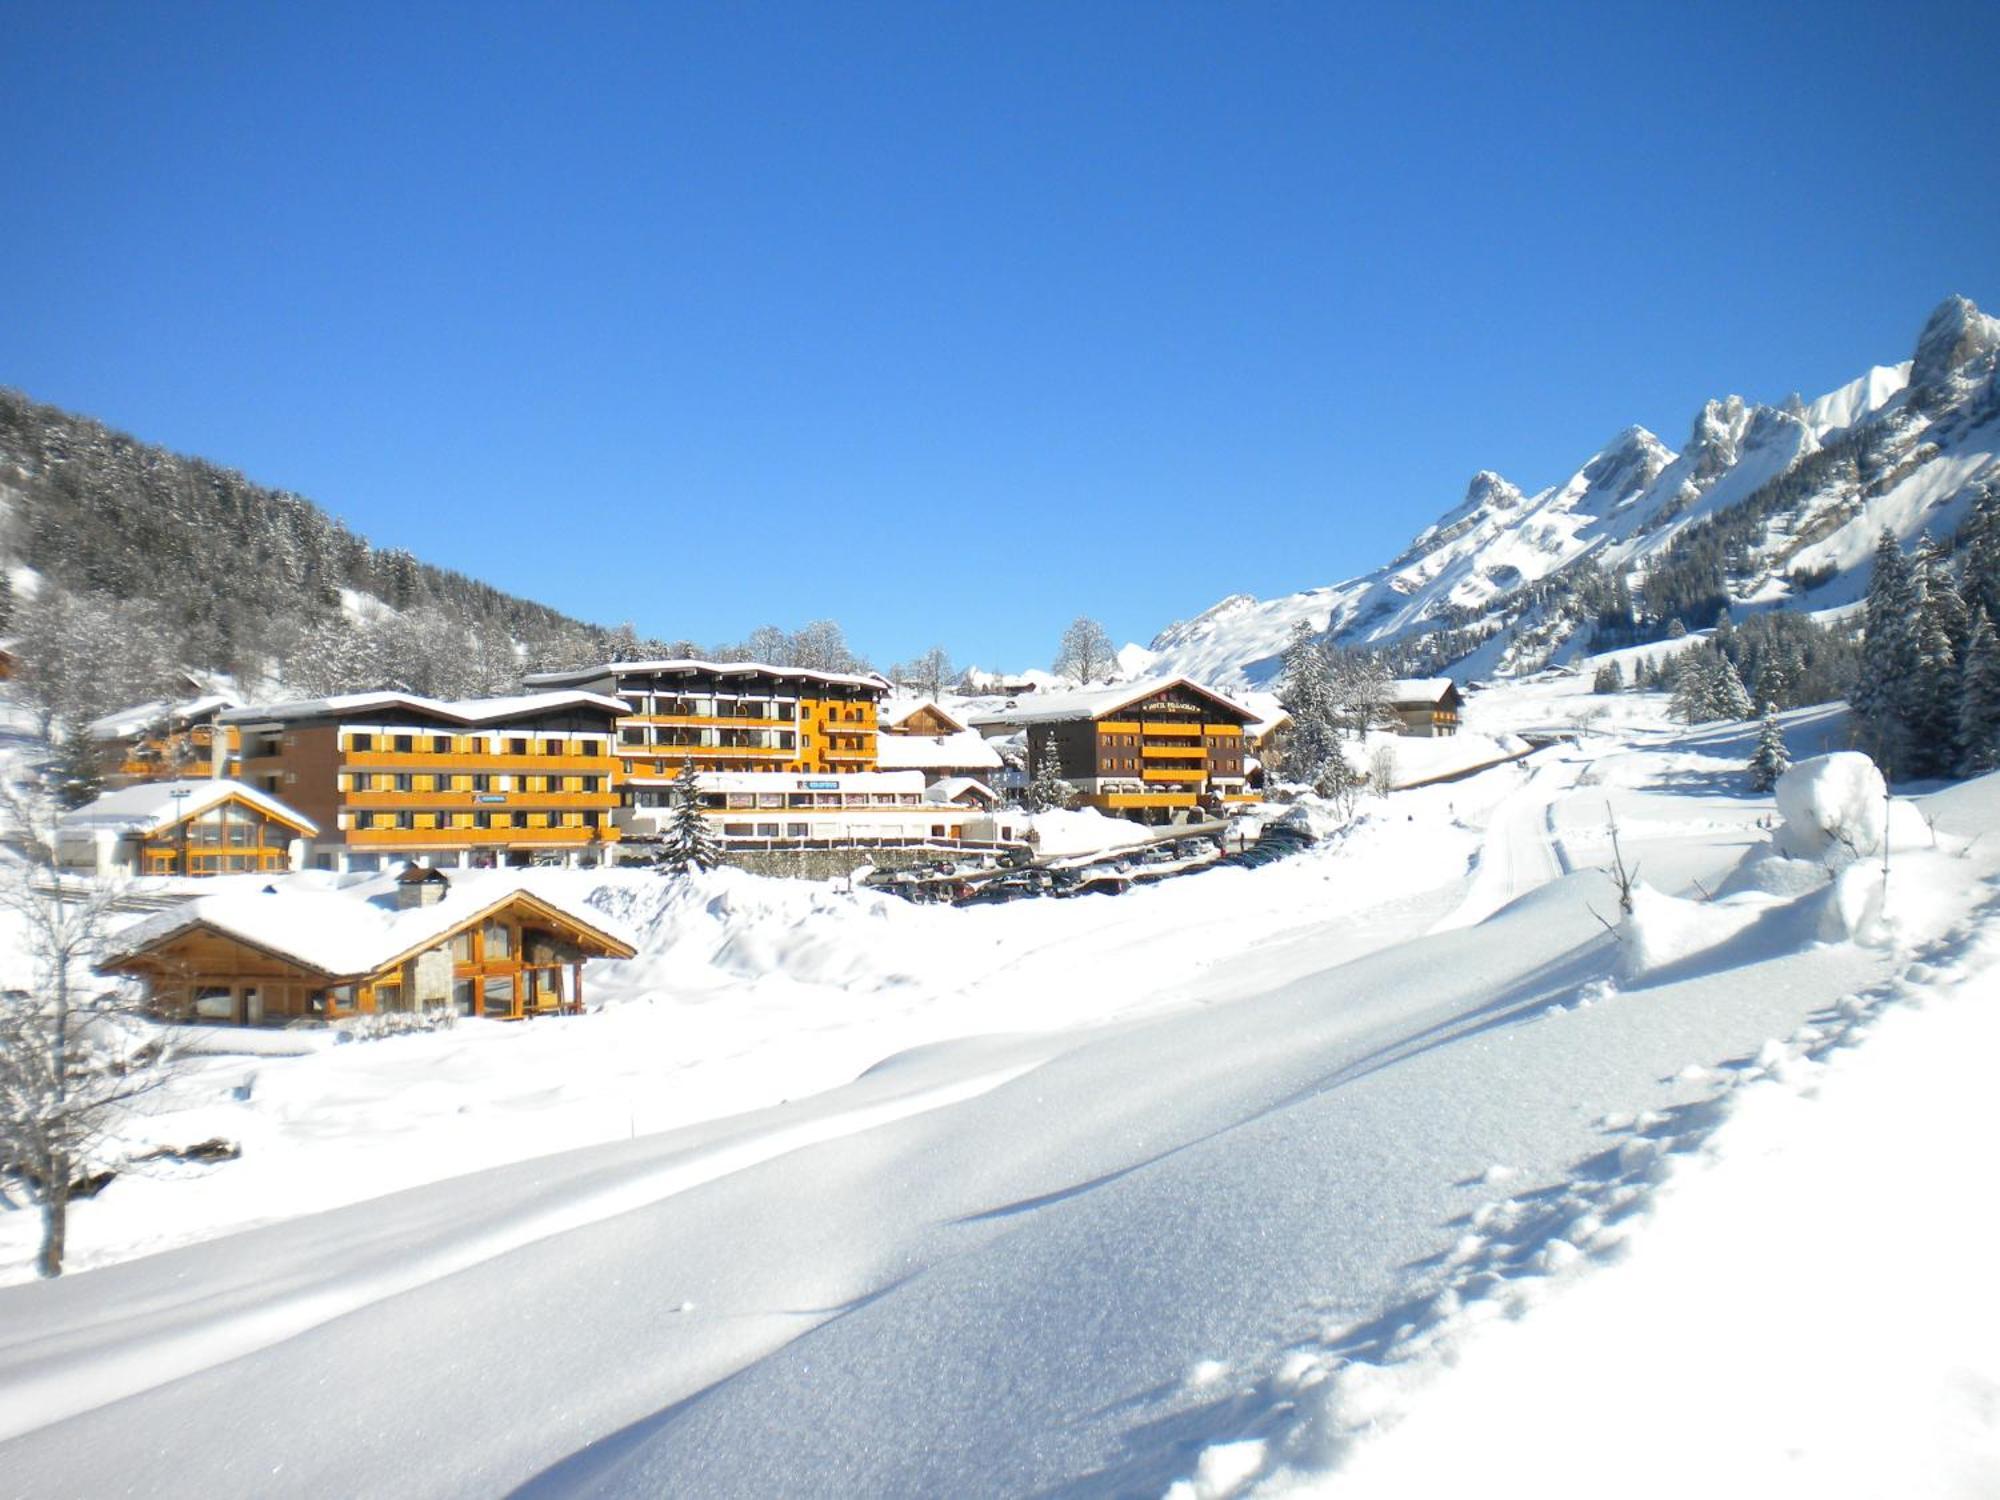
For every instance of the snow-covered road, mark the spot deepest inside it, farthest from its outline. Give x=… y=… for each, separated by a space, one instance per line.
x=1517 y=852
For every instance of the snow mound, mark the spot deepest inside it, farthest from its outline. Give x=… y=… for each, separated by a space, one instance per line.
x=1835 y=808
x=1665 y=929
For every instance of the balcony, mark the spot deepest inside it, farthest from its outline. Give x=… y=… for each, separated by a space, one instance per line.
x=479 y=801
x=466 y=761
x=476 y=838
x=1146 y=799
x=1194 y=774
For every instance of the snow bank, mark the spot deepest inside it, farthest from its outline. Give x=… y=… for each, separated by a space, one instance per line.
x=1085 y=831
x=1664 y=930
x=1835 y=808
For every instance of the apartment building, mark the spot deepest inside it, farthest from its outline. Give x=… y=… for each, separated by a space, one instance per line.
x=395 y=776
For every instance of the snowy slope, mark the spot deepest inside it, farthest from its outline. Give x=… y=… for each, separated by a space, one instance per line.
x=1127 y=1177
x=1925 y=431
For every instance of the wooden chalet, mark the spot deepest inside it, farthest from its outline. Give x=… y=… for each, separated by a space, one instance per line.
x=1426 y=706
x=919 y=735
x=164 y=741
x=1155 y=751
x=204 y=827
x=485 y=944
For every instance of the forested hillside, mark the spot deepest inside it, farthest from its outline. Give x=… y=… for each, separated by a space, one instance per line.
x=230 y=575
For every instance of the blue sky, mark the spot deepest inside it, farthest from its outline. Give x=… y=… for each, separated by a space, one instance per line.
x=952 y=321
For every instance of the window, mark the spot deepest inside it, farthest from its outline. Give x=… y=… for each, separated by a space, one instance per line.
x=497 y=996
x=552 y=747
x=465 y=996
x=795 y=830
x=357 y=742
x=498 y=939
x=517 y=747
x=404 y=743
x=767 y=830
x=441 y=744
x=461 y=947
x=214 y=1002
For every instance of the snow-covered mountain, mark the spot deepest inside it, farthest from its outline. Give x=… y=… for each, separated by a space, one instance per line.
x=1903 y=446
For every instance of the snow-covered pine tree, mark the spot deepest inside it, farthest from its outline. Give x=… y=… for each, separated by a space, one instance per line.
x=1979 y=699
x=1769 y=760
x=1048 y=789
x=1882 y=688
x=690 y=843
x=1305 y=688
x=1933 y=693
x=1610 y=678
x=1727 y=697
x=1691 y=694
x=1979 y=541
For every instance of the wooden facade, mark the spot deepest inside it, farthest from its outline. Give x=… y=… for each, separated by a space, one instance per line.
x=1161 y=752
x=1427 y=707
x=401 y=776
x=234 y=837
x=518 y=957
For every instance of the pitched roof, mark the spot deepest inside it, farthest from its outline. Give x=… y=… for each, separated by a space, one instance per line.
x=1100 y=702
x=934 y=752
x=953 y=787
x=459 y=710
x=126 y=722
x=895 y=710
x=151 y=806
x=356 y=931
x=1417 y=689
x=692 y=665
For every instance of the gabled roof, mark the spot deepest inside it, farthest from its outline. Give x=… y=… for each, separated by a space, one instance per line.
x=935 y=752
x=692 y=666
x=1414 y=690
x=154 y=806
x=127 y=722
x=953 y=787
x=1101 y=702
x=352 y=933
x=895 y=710
x=468 y=711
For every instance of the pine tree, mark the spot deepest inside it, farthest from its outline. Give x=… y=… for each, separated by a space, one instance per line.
x=1933 y=694
x=1610 y=678
x=1047 y=787
x=690 y=843
x=1885 y=684
x=1690 y=700
x=1727 y=697
x=1306 y=689
x=1979 y=699
x=1770 y=760
x=1979 y=539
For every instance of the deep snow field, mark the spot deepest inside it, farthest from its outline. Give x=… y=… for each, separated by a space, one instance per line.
x=1384 y=1170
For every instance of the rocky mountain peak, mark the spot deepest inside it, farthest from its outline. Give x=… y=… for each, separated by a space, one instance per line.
x=1954 y=334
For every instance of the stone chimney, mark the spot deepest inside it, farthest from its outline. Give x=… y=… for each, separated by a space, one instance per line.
x=420 y=885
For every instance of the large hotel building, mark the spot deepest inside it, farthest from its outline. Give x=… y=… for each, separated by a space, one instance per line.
x=393 y=776
x=786 y=754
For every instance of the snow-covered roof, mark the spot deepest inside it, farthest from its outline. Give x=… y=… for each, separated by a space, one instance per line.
x=1098 y=702
x=152 y=806
x=966 y=749
x=126 y=722
x=953 y=787
x=894 y=711
x=1417 y=689
x=690 y=665
x=355 y=931
x=463 y=710
x=1269 y=711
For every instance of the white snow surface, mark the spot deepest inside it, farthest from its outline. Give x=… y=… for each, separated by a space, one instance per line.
x=1381 y=1165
